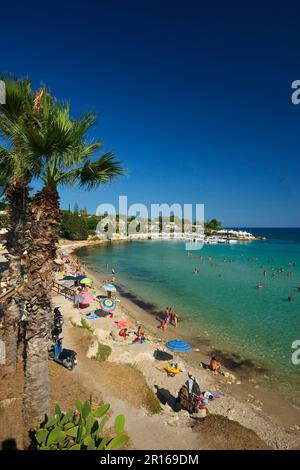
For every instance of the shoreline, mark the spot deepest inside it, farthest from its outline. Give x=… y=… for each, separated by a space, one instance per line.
x=265 y=402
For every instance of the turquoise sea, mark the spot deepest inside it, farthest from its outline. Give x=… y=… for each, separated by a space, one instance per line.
x=247 y=326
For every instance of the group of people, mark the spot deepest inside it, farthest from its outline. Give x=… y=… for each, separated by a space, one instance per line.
x=140 y=335
x=170 y=317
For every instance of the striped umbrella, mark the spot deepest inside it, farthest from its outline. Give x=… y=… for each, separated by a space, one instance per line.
x=109 y=287
x=177 y=345
x=107 y=305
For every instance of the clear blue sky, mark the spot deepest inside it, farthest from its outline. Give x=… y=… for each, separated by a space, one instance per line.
x=193 y=97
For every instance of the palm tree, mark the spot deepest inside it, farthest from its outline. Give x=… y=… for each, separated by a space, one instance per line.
x=64 y=153
x=15 y=175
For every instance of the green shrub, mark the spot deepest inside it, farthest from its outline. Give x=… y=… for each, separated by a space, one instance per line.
x=73 y=226
x=80 y=429
x=86 y=325
x=155 y=406
x=102 y=353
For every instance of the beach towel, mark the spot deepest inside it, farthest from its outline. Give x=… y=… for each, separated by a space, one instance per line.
x=217 y=394
x=91 y=316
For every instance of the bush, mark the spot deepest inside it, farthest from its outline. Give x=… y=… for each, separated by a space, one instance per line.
x=73 y=226
x=103 y=353
x=86 y=326
x=80 y=429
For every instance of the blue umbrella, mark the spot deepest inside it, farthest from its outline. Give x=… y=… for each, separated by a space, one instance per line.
x=79 y=278
x=177 y=345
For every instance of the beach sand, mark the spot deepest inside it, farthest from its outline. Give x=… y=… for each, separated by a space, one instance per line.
x=274 y=420
x=131 y=379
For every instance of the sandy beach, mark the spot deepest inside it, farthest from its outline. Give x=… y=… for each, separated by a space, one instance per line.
x=274 y=420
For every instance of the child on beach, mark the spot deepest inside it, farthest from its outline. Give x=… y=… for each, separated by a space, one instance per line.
x=124 y=333
x=215 y=365
x=175 y=319
x=139 y=336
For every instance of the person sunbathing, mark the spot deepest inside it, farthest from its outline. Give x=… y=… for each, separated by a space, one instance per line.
x=139 y=335
x=215 y=365
x=124 y=333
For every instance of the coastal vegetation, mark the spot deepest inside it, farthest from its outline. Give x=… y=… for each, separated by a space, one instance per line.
x=80 y=429
x=103 y=352
x=43 y=142
x=79 y=225
x=85 y=325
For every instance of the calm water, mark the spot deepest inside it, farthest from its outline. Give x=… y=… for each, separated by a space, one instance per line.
x=222 y=301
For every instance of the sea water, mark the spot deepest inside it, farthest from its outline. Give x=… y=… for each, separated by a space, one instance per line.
x=215 y=292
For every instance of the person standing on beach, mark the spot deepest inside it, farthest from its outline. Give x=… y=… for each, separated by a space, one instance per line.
x=167 y=319
x=175 y=319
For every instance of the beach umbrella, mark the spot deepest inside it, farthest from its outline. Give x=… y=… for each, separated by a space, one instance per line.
x=107 y=305
x=177 y=345
x=58 y=261
x=109 y=288
x=80 y=277
x=68 y=278
x=86 y=281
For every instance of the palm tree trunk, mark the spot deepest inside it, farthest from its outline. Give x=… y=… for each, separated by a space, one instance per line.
x=42 y=237
x=17 y=196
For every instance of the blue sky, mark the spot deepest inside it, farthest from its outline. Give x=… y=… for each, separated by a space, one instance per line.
x=194 y=98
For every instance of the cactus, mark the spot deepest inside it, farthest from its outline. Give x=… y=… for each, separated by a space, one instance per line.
x=80 y=429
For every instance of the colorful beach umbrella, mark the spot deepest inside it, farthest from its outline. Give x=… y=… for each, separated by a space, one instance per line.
x=86 y=281
x=107 y=305
x=177 y=345
x=109 y=287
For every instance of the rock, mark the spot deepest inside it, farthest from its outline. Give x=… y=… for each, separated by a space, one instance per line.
x=101 y=334
x=93 y=349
